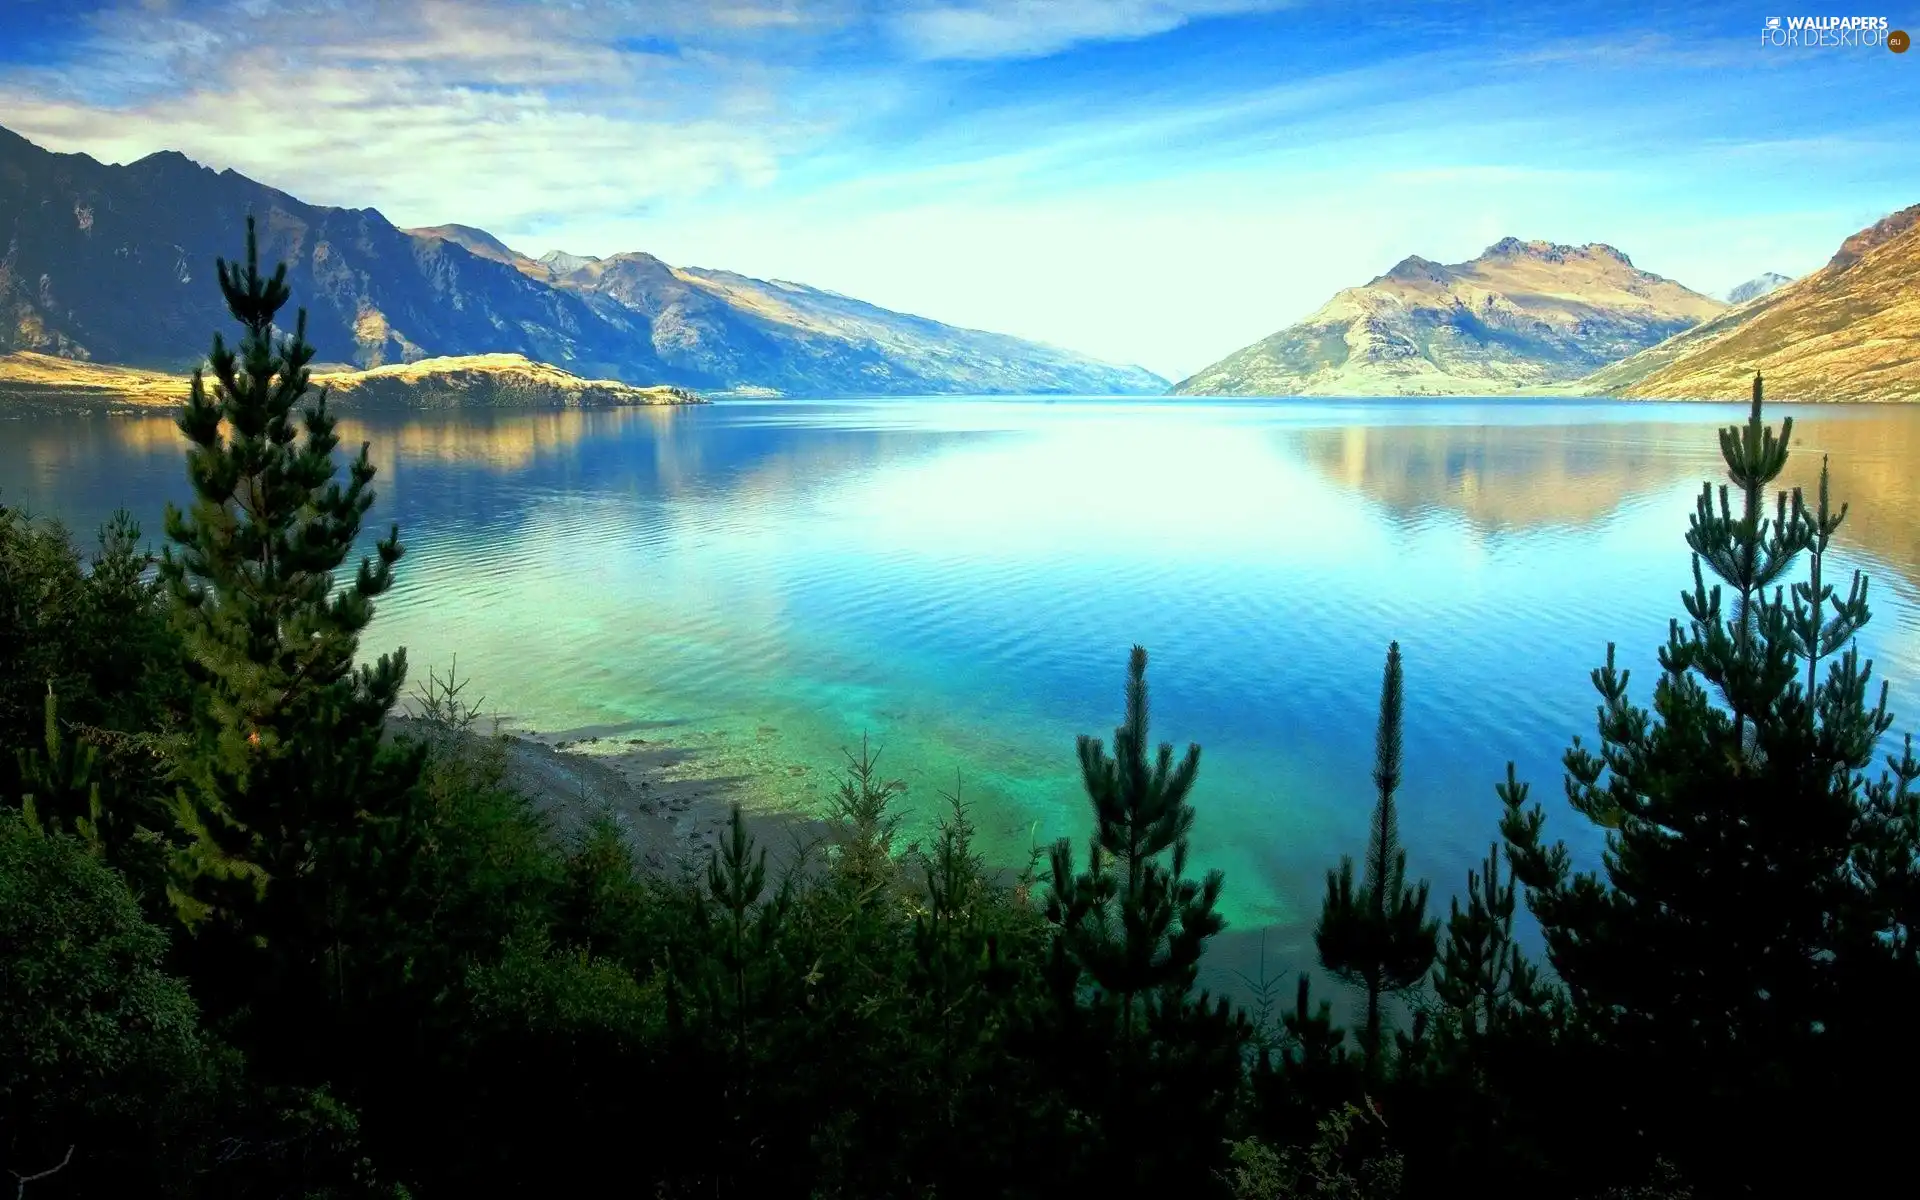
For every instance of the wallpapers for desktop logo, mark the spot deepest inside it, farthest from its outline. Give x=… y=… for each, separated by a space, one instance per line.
x=1815 y=33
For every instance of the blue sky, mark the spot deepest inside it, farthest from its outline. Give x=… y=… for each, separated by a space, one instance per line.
x=1151 y=181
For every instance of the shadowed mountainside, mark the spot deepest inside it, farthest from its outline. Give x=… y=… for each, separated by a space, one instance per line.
x=109 y=264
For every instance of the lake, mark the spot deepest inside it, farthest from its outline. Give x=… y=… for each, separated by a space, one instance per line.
x=962 y=579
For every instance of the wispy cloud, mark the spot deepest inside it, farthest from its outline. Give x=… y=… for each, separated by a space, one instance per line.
x=515 y=114
x=1156 y=181
x=988 y=29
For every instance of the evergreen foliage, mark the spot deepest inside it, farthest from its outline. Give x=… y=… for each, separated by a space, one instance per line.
x=42 y=618
x=417 y=983
x=1377 y=936
x=1484 y=979
x=99 y=1046
x=1133 y=924
x=1130 y=930
x=1727 y=952
x=87 y=632
x=1346 y=1160
x=299 y=815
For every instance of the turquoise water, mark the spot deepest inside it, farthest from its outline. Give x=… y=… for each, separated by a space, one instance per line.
x=961 y=579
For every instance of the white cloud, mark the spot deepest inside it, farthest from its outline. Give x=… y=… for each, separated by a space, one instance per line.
x=487 y=113
x=1166 y=223
x=989 y=29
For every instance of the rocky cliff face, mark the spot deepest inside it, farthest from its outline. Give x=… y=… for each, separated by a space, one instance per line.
x=1849 y=331
x=115 y=264
x=1522 y=315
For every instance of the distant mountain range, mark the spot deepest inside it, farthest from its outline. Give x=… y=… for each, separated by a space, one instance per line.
x=1523 y=315
x=114 y=264
x=1849 y=331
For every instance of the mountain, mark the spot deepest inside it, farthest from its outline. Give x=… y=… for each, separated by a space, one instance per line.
x=114 y=264
x=476 y=381
x=559 y=262
x=481 y=244
x=1756 y=287
x=1523 y=315
x=1849 y=331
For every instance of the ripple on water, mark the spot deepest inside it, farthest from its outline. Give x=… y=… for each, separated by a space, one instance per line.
x=962 y=579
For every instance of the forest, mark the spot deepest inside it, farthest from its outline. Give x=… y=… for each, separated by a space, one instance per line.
x=256 y=942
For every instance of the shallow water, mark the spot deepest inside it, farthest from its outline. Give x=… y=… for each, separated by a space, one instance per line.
x=962 y=579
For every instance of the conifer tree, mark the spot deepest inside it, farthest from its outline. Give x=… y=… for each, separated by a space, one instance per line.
x=1377 y=936
x=1128 y=935
x=954 y=950
x=296 y=811
x=1137 y=934
x=1722 y=952
x=1483 y=977
x=1308 y=1072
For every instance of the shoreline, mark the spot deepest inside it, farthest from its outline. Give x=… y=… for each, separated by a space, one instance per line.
x=672 y=803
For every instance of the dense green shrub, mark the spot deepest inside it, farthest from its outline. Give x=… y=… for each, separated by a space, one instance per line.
x=101 y=1049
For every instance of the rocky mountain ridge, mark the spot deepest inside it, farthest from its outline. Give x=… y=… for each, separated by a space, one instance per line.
x=114 y=264
x=1522 y=315
x=1849 y=331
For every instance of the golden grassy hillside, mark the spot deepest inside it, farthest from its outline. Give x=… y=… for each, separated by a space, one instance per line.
x=472 y=381
x=29 y=375
x=488 y=381
x=1523 y=317
x=1849 y=331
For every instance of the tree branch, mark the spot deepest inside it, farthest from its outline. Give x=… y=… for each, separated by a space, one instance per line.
x=53 y=1170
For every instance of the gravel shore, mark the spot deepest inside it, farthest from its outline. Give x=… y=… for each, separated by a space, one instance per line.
x=673 y=811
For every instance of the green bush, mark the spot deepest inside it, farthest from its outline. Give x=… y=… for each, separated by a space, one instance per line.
x=100 y=1048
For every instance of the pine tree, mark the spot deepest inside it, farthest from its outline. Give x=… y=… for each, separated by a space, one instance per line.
x=1306 y=1073
x=1128 y=935
x=296 y=812
x=1720 y=953
x=1377 y=936
x=1137 y=934
x=962 y=985
x=1484 y=978
x=865 y=825
x=1492 y=1089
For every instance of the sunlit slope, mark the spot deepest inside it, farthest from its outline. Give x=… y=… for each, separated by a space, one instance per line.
x=1849 y=331
x=1523 y=316
x=473 y=381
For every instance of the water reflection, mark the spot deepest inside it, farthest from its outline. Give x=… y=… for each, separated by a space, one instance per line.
x=1508 y=477
x=497 y=441
x=962 y=579
x=1503 y=477
x=1197 y=479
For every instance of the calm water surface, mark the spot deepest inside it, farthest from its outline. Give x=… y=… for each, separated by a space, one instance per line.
x=962 y=579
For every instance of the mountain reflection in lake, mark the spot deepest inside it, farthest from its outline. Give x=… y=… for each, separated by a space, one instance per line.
x=962 y=578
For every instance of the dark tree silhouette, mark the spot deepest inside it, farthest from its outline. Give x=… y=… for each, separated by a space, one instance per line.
x=1376 y=936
